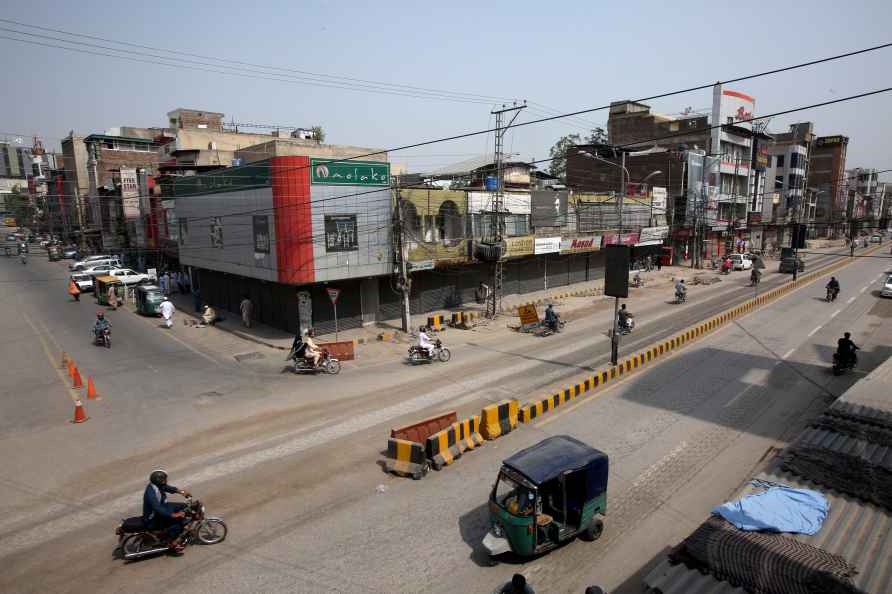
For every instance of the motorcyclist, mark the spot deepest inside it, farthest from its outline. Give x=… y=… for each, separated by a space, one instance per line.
x=312 y=350
x=624 y=317
x=755 y=276
x=726 y=265
x=833 y=286
x=680 y=289
x=297 y=347
x=845 y=349
x=424 y=341
x=157 y=514
x=551 y=318
x=101 y=324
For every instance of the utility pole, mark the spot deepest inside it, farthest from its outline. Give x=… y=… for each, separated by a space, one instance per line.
x=614 y=336
x=498 y=215
x=80 y=220
x=405 y=285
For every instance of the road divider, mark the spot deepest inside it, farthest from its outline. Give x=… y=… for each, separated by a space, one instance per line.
x=91 y=390
x=499 y=418
x=436 y=322
x=442 y=448
x=406 y=458
x=76 y=382
x=80 y=415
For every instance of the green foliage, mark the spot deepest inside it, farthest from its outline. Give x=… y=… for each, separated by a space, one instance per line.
x=558 y=152
x=318 y=134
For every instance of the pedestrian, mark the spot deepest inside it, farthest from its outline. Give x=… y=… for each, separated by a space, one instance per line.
x=196 y=299
x=247 y=308
x=167 y=310
x=175 y=282
x=517 y=585
x=112 y=297
x=659 y=262
x=74 y=290
x=163 y=282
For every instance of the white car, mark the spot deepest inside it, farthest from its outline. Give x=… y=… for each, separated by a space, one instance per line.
x=101 y=269
x=128 y=277
x=887 y=288
x=85 y=263
x=84 y=282
x=741 y=262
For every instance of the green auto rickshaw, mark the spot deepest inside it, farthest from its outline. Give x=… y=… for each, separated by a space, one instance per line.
x=53 y=253
x=101 y=285
x=148 y=300
x=546 y=495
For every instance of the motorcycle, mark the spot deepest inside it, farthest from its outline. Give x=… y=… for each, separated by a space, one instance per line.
x=840 y=366
x=23 y=258
x=102 y=338
x=135 y=542
x=755 y=277
x=421 y=355
x=327 y=363
x=547 y=329
x=831 y=294
x=681 y=297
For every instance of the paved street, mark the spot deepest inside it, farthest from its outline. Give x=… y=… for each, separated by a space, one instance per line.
x=291 y=462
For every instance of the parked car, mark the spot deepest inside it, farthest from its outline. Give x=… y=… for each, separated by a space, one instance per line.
x=887 y=288
x=876 y=238
x=85 y=263
x=70 y=252
x=101 y=269
x=741 y=262
x=787 y=265
x=128 y=276
x=84 y=282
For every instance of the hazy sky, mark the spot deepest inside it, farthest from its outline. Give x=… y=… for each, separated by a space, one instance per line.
x=561 y=55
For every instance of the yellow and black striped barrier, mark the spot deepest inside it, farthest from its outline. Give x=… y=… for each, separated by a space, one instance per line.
x=405 y=458
x=464 y=319
x=436 y=322
x=468 y=433
x=443 y=447
x=499 y=418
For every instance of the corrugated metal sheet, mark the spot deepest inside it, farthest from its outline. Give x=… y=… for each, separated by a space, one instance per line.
x=858 y=531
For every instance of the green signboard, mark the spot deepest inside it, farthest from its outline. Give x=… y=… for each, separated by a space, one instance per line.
x=350 y=173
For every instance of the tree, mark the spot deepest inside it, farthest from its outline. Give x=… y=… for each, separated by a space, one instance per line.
x=318 y=134
x=558 y=152
x=19 y=202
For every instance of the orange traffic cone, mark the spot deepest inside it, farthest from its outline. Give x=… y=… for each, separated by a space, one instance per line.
x=76 y=382
x=91 y=390
x=64 y=360
x=80 y=414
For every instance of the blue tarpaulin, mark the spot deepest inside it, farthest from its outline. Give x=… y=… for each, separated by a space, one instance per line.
x=778 y=509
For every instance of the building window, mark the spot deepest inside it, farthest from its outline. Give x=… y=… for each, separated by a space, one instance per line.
x=794 y=181
x=778 y=181
x=780 y=161
x=795 y=158
x=109 y=144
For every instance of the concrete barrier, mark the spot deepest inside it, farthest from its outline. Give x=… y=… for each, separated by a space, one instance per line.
x=421 y=430
x=468 y=435
x=342 y=351
x=442 y=448
x=499 y=418
x=406 y=458
x=436 y=322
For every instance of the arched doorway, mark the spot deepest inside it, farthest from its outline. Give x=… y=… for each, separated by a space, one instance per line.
x=450 y=223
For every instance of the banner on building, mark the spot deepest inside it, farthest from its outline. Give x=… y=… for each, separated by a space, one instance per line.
x=519 y=246
x=130 y=192
x=653 y=233
x=261 y=235
x=341 y=234
x=216 y=229
x=349 y=173
x=577 y=245
x=658 y=200
x=624 y=239
x=549 y=209
x=547 y=245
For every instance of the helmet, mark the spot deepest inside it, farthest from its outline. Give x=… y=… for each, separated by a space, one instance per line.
x=158 y=477
x=100 y=314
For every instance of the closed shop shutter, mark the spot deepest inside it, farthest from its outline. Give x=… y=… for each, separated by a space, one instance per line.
x=349 y=307
x=557 y=267
x=530 y=274
x=578 y=265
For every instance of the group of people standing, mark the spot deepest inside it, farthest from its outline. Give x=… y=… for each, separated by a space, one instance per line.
x=174 y=281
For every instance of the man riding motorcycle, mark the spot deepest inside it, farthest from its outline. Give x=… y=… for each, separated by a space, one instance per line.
x=424 y=341
x=845 y=350
x=159 y=515
x=680 y=290
x=552 y=320
x=832 y=288
x=624 y=317
x=101 y=324
x=311 y=349
x=755 y=276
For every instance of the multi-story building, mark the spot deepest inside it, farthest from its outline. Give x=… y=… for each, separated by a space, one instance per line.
x=864 y=199
x=827 y=161
x=785 y=197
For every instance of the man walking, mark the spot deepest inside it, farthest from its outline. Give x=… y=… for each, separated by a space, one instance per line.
x=167 y=310
x=112 y=297
x=163 y=281
x=247 y=309
x=74 y=290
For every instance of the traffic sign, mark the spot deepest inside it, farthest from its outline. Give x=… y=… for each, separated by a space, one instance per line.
x=333 y=294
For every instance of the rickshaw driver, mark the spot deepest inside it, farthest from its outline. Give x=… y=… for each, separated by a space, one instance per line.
x=521 y=503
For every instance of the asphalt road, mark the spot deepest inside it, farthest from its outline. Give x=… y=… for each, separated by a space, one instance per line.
x=309 y=509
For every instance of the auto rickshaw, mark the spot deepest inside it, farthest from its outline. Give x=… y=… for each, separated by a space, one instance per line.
x=53 y=253
x=148 y=300
x=546 y=495
x=101 y=285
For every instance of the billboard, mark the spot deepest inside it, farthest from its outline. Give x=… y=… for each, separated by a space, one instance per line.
x=549 y=209
x=547 y=245
x=733 y=108
x=130 y=192
x=261 y=235
x=658 y=200
x=349 y=173
x=578 y=245
x=340 y=233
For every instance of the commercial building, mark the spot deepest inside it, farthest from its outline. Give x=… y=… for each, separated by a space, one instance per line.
x=827 y=163
x=786 y=199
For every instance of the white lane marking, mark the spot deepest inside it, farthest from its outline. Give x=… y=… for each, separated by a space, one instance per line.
x=862 y=289
x=850 y=299
x=813 y=332
x=791 y=351
x=836 y=313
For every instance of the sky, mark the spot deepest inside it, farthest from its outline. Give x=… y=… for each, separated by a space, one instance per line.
x=558 y=56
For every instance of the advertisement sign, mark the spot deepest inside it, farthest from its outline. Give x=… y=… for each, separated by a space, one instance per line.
x=578 y=245
x=341 y=234
x=426 y=265
x=658 y=199
x=547 y=245
x=654 y=233
x=624 y=239
x=519 y=246
x=261 y=235
x=549 y=209
x=831 y=140
x=736 y=107
x=349 y=173
x=129 y=192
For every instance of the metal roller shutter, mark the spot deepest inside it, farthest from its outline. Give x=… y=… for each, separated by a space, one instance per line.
x=578 y=268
